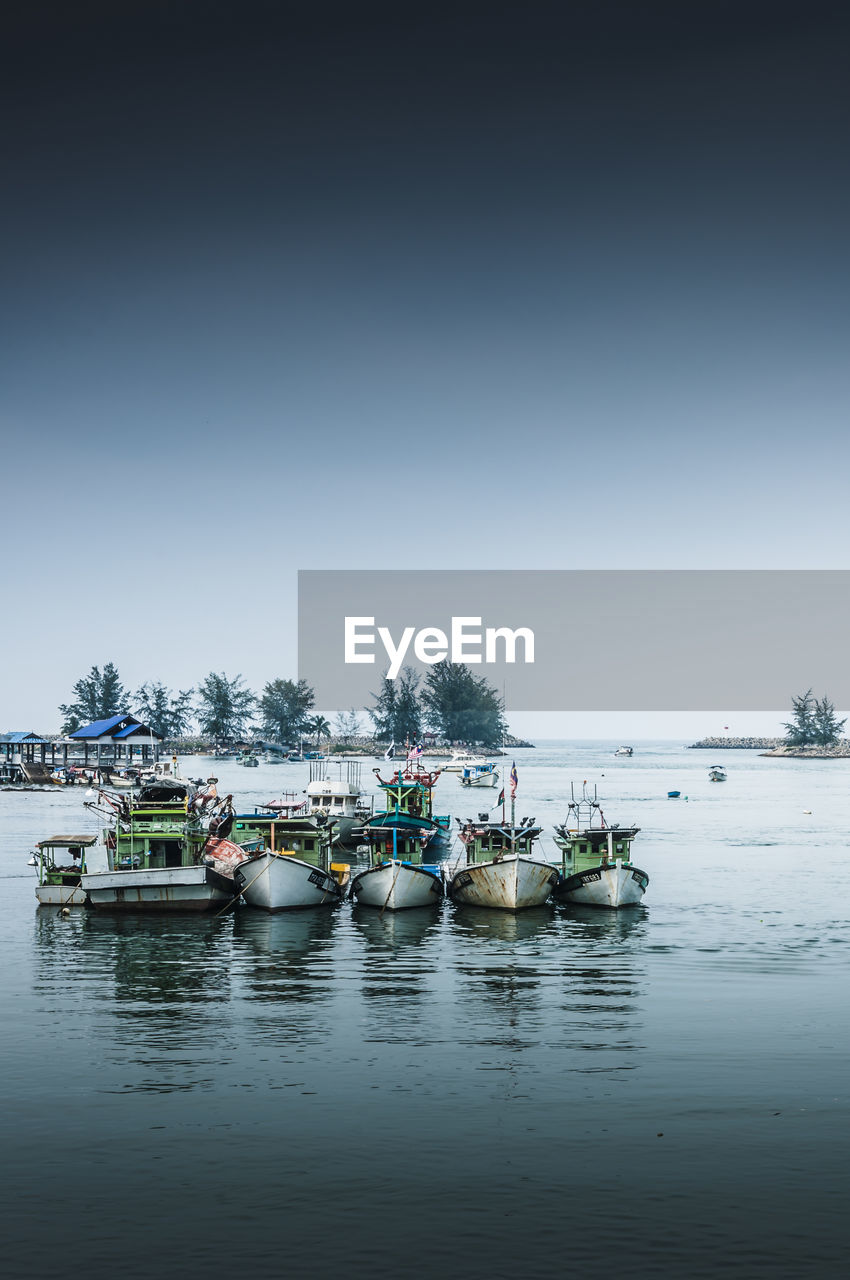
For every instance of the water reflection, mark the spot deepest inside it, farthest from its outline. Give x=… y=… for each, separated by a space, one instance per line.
x=507 y=927
x=395 y=930
x=283 y=955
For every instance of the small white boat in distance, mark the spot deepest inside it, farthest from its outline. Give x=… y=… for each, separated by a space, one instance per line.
x=624 y=751
x=717 y=773
x=461 y=760
x=479 y=775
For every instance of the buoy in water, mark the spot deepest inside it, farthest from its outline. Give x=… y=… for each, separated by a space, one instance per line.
x=66 y=911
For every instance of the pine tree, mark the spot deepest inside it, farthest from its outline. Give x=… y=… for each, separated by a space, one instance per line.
x=167 y=714
x=461 y=706
x=397 y=714
x=224 y=706
x=827 y=727
x=284 y=708
x=800 y=729
x=98 y=696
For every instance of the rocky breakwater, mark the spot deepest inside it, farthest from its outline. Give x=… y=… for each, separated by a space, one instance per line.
x=837 y=751
x=736 y=744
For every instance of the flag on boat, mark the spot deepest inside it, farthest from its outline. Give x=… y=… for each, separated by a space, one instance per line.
x=514 y=780
x=501 y=799
x=390 y=751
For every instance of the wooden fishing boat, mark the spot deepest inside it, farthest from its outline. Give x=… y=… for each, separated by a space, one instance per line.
x=399 y=876
x=410 y=790
x=596 y=858
x=336 y=794
x=157 y=854
x=289 y=858
x=60 y=862
x=498 y=869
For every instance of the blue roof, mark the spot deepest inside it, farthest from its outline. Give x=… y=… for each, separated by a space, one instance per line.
x=134 y=728
x=21 y=735
x=99 y=727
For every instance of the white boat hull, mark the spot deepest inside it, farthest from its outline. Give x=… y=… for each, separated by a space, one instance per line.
x=57 y=895
x=510 y=884
x=397 y=886
x=620 y=885
x=197 y=888
x=279 y=882
x=483 y=780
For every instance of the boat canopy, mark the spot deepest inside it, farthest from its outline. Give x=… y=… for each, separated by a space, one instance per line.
x=67 y=842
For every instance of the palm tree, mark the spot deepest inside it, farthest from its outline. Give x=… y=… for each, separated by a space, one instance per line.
x=321 y=727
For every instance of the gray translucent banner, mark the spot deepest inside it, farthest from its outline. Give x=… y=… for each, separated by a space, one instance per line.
x=602 y=640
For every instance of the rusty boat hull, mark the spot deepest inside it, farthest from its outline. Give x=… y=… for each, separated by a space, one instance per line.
x=509 y=883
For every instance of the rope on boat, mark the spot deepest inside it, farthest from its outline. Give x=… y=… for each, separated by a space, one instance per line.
x=390 y=894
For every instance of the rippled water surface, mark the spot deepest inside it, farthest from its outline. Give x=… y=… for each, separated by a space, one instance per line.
x=657 y=1091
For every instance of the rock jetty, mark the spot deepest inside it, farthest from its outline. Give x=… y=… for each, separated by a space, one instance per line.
x=776 y=747
x=838 y=751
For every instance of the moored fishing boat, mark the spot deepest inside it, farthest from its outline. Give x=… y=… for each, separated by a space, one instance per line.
x=157 y=855
x=498 y=868
x=410 y=791
x=596 y=864
x=297 y=875
x=289 y=853
x=337 y=797
x=717 y=773
x=59 y=883
x=399 y=876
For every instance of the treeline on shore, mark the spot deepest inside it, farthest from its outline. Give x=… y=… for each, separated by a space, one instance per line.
x=450 y=703
x=813 y=730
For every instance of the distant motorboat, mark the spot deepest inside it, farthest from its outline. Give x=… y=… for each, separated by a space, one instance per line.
x=479 y=775
x=673 y=795
x=624 y=751
x=461 y=760
x=717 y=773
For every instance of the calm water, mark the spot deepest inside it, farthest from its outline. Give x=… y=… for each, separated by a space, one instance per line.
x=660 y=1091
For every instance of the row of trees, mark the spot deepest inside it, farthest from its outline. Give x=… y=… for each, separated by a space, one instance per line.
x=451 y=701
x=813 y=722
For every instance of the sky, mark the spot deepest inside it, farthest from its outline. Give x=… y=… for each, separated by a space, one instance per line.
x=292 y=286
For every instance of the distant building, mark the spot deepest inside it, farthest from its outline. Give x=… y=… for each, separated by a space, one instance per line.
x=119 y=740
x=22 y=747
